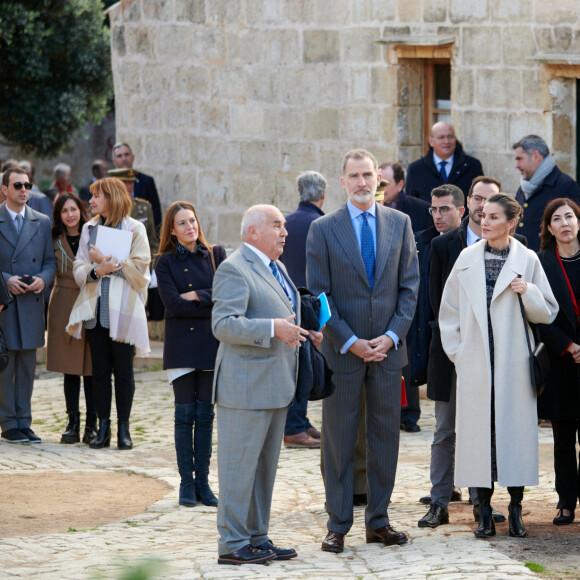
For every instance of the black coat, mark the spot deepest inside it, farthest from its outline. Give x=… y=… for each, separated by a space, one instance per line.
x=423 y=175
x=297 y=226
x=145 y=188
x=189 y=341
x=419 y=335
x=417 y=210
x=561 y=398
x=444 y=252
x=556 y=184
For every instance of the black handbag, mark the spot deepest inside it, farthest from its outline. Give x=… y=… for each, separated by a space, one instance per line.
x=539 y=358
x=3 y=351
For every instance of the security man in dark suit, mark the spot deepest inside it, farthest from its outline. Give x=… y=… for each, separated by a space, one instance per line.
x=145 y=187
x=445 y=162
x=392 y=186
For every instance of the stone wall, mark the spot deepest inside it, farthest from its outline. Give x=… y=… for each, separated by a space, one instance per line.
x=225 y=102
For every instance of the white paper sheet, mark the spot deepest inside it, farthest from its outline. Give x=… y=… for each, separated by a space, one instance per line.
x=114 y=242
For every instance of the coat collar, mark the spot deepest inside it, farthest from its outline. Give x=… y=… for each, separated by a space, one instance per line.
x=265 y=273
x=30 y=224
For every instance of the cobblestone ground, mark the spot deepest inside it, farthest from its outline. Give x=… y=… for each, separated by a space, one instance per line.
x=184 y=539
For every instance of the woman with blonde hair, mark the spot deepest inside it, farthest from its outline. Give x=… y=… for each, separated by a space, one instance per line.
x=484 y=334
x=111 y=306
x=185 y=269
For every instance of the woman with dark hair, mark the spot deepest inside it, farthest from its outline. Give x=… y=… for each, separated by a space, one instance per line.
x=185 y=269
x=560 y=402
x=483 y=333
x=111 y=306
x=64 y=355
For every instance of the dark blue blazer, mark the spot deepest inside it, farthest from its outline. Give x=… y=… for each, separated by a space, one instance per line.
x=297 y=225
x=145 y=189
x=423 y=176
x=556 y=184
x=417 y=209
x=189 y=341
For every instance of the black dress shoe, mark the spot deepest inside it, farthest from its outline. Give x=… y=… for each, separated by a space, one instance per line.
x=123 y=436
x=333 y=542
x=31 y=435
x=103 y=438
x=281 y=553
x=247 y=555
x=387 y=536
x=436 y=516
x=359 y=499
x=410 y=427
x=562 y=520
x=498 y=517
x=14 y=436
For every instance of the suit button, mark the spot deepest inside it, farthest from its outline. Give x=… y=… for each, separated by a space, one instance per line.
x=526 y=204
x=189 y=285
x=192 y=329
x=34 y=259
x=521 y=224
x=186 y=270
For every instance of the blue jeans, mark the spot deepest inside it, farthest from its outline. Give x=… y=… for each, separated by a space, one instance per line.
x=296 y=419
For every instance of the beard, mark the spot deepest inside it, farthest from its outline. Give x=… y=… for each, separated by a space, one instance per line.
x=362 y=197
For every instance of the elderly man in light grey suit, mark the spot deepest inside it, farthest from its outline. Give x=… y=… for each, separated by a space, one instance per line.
x=28 y=265
x=255 y=307
x=363 y=256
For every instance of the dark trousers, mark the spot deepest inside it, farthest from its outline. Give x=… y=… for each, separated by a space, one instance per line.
x=412 y=411
x=296 y=419
x=566 y=464
x=194 y=386
x=72 y=389
x=111 y=358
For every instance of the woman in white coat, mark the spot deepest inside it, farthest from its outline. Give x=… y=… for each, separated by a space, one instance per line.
x=482 y=332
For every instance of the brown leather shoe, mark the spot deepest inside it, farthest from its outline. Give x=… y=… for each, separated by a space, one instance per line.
x=313 y=432
x=333 y=542
x=387 y=535
x=301 y=440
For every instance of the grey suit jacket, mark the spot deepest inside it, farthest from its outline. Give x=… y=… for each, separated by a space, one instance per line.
x=253 y=370
x=335 y=266
x=30 y=253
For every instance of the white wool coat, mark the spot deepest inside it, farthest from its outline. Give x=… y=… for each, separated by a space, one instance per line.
x=464 y=334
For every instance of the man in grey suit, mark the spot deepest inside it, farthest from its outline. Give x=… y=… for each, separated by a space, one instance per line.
x=28 y=264
x=363 y=256
x=255 y=307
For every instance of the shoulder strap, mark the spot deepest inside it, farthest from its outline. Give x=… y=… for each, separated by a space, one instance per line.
x=525 y=323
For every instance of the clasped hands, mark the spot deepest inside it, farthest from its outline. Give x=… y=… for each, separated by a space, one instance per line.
x=106 y=264
x=374 y=350
x=16 y=286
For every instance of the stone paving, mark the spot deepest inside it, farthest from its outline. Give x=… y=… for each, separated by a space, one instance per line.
x=183 y=540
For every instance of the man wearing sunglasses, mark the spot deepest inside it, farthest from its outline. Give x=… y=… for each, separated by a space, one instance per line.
x=28 y=265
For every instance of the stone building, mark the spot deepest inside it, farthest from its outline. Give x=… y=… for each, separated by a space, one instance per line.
x=226 y=101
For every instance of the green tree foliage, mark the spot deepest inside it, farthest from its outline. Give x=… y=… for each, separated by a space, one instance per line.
x=55 y=71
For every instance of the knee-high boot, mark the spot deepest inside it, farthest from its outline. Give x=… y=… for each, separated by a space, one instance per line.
x=516 y=524
x=486 y=528
x=184 y=419
x=204 y=416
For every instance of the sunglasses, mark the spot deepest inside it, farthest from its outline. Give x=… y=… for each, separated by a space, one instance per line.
x=19 y=185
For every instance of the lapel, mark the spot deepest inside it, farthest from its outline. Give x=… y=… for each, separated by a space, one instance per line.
x=471 y=275
x=30 y=226
x=385 y=238
x=7 y=228
x=514 y=266
x=266 y=274
x=343 y=231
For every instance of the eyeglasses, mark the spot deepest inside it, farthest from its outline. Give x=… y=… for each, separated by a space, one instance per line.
x=19 y=185
x=442 y=210
x=478 y=198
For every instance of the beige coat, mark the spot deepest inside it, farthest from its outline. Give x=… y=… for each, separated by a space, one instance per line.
x=63 y=353
x=464 y=334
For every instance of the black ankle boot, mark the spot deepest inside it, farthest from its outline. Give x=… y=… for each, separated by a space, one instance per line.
x=184 y=419
x=123 y=436
x=516 y=523
x=204 y=415
x=71 y=434
x=90 y=428
x=486 y=528
x=103 y=438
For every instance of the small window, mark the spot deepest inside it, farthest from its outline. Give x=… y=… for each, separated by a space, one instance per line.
x=436 y=95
